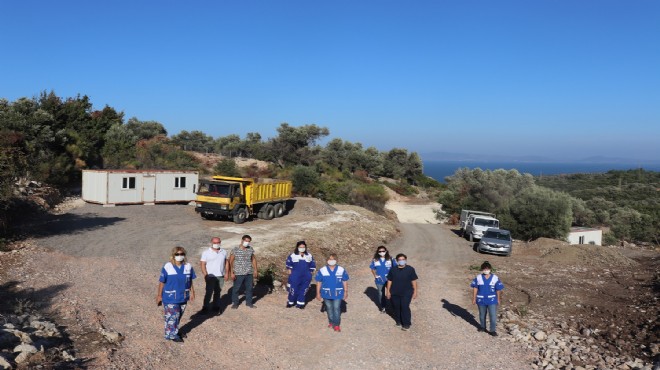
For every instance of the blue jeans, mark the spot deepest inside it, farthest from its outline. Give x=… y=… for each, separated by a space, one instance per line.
x=333 y=308
x=241 y=280
x=492 y=312
x=382 y=299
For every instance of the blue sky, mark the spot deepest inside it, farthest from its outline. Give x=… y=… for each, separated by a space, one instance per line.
x=561 y=79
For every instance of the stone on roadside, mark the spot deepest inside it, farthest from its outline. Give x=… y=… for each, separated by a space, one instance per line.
x=540 y=335
x=111 y=336
x=26 y=348
x=4 y=364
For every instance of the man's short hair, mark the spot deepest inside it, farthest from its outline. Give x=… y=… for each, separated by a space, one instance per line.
x=401 y=255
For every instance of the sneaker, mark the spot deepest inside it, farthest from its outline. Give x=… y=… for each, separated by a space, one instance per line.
x=382 y=310
x=300 y=307
x=289 y=305
x=234 y=306
x=493 y=333
x=177 y=339
x=330 y=326
x=337 y=328
x=252 y=306
x=398 y=324
x=405 y=328
x=481 y=330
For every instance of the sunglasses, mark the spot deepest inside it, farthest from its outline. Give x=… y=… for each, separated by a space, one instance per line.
x=179 y=254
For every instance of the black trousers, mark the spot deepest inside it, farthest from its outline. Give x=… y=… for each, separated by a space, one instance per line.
x=214 y=285
x=401 y=305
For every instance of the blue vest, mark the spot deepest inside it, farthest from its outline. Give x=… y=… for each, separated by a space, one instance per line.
x=487 y=289
x=382 y=267
x=178 y=281
x=332 y=282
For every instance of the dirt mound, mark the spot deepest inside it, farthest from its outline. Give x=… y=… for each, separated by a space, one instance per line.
x=311 y=207
x=586 y=255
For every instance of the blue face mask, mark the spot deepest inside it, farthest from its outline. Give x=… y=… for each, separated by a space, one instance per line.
x=401 y=262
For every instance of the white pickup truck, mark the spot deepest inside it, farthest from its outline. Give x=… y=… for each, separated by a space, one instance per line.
x=466 y=213
x=477 y=225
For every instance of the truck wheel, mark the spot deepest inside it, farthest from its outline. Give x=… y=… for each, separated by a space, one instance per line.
x=269 y=212
x=278 y=209
x=240 y=216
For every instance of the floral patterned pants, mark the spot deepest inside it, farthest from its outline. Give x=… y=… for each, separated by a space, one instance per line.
x=173 y=313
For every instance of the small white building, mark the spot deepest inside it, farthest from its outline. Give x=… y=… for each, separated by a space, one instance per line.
x=585 y=235
x=111 y=187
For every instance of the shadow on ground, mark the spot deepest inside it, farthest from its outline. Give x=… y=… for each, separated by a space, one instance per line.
x=456 y=310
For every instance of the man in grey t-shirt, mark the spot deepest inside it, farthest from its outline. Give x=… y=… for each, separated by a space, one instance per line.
x=243 y=270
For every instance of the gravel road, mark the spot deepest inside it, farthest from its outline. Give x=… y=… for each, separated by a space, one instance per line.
x=106 y=266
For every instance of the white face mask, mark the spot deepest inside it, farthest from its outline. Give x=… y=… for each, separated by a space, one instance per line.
x=302 y=250
x=486 y=272
x=216 y=246
x=179 y=258
x=382 y=254
x=332 y=262
x=246 y=244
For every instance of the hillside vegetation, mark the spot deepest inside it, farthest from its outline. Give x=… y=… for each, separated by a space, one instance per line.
x=626 y=202
x=50 y=139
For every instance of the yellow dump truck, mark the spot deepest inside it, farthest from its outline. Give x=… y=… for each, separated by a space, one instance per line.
x=239 y=198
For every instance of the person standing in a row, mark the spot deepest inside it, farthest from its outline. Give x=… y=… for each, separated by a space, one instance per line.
x=175 y=288
x=486 y=294
x=402 y=289
x=332 y=288
x=299 y=265
x=215 y=268
x=243 y=265
x=380 y=266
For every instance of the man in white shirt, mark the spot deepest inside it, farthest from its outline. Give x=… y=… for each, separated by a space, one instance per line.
x=215 y=268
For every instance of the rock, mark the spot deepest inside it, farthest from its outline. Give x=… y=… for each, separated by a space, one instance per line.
x=4 y=364
x=112 y=336
x=277 y=283
x=26 y=348
x=67 y=356
x=540 y=335
x=586 y=332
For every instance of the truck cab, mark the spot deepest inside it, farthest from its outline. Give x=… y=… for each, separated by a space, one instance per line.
x=216 y=199
x=477 y=225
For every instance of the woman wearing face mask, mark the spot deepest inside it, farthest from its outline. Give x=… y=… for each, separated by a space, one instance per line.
x=380 y=267
x=175 y=288
x=401 y=290
x=332 y=288
x=486 y=294
x=299 y=265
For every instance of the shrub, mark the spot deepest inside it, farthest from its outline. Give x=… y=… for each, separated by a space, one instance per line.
x=370 y=196
x=540 y=212
x=305 y=180
x=227 y=167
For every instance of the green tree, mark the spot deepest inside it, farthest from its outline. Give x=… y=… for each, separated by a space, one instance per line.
x=296 y=145
x=305 y=180
x=228 y=145
x=195 y=141
x=541 y=212
x=226 y=167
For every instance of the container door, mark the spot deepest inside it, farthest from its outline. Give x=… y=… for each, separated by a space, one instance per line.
x=149 y=188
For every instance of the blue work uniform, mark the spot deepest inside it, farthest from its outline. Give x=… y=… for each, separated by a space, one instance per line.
x=301 y=267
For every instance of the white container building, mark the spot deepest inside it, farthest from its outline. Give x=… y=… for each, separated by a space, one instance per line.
x=585 y=235
x=111 y=187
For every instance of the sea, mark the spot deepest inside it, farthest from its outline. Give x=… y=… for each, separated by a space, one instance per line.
x=441 y=169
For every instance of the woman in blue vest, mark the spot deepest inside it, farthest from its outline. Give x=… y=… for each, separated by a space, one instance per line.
x=174 y=290
x=486 y=294
x=332 y=288
x=299 y=265
x=380 y=266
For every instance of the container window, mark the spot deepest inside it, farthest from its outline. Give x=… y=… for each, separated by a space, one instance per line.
x=128 y=182
x=180 y=182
